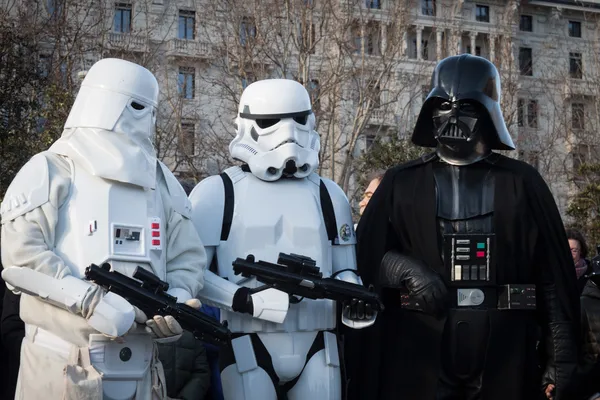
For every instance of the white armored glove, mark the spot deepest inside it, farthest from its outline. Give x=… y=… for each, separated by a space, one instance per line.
x=164 y=329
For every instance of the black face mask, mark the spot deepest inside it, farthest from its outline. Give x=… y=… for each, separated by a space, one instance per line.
x=457 y=128
x=455 y=123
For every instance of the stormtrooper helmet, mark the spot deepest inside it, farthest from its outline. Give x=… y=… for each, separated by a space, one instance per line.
x=119 y=96
x=275 y=132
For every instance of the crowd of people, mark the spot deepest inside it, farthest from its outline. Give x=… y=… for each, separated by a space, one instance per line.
x=457 y=283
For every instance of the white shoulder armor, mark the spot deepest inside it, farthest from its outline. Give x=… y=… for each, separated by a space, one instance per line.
x=208 y=202
x=29 y=190
x=179 y=200
x=343 y=213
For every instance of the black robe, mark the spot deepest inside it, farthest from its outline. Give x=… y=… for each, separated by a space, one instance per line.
x=399 y=357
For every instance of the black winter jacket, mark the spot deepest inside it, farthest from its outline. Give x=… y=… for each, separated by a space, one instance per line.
x=590 y=320
x=186 y=368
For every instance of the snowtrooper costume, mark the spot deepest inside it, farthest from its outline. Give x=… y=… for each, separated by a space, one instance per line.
x=98 y=195
x=276 y=203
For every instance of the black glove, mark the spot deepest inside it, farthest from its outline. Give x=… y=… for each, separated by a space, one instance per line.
x=561 y=348
x=423 y=284
x=357 y=310
x=242 y=302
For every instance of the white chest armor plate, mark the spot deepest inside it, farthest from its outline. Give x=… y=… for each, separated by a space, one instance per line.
x=109 y=221
x=271 y=218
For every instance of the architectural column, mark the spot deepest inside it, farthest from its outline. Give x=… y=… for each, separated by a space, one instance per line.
x=419 y=40
x=492 y=47
x=363 y=32
x=473 y=37
x=404 y=43
x=457 y=47
x=438 y=43
x=384 y=40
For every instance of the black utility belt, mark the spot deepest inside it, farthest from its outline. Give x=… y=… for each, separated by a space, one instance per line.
x=503 y=297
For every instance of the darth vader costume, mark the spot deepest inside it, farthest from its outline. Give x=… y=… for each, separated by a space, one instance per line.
x=470 y=254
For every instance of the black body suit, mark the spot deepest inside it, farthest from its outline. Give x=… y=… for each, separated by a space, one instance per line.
x=458 y=230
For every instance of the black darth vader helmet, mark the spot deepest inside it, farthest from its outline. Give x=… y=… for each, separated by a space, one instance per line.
x=463 y=105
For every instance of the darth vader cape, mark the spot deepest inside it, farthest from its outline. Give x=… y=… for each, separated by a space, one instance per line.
x=399 y=357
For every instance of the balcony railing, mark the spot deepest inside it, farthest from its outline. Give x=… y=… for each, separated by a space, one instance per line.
x=128 y=41
x=189 y=48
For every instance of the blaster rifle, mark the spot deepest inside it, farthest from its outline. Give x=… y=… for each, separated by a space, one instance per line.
x=149 y=294
x=299 y=276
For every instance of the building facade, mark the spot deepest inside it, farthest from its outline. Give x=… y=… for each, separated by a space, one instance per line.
x=366 y=64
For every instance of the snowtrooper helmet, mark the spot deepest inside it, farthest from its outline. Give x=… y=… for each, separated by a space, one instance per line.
x=119 y=96
x=275 y=132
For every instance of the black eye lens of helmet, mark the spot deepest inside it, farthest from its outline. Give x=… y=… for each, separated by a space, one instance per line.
x=137 y=106
x=445 y=106
x=468 y=108
x=265 y=123
x=301 y=120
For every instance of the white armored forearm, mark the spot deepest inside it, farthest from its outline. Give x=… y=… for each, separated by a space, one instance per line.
x=108 y=313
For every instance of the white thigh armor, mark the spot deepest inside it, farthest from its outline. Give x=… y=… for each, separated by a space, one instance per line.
x=122 y=365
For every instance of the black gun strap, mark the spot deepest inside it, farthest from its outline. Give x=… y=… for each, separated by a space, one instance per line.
x=228 y=206
x=328 y=213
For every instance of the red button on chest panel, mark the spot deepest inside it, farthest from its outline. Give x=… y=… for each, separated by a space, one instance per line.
x=155 y=242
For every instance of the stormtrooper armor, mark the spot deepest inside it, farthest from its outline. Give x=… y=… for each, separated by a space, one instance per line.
x=99 y=195
x=276 y=203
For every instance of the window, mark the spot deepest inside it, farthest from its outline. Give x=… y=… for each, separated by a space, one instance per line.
x=575 y=66
x=575 y=29
x=526 y=23
x=357 y=38
x=373 y=38
x=477 y=50
x=54 y=8
x=247 y=80
x=374 y=4
x=374 y=94
x=532 y=114
x=247 y=30
x=527 y=113
x=122 y=21
x=428 y=7
x=187 y=140
x=525 y=61
x=482 y=13
x=578 y=116
x=186 y=82
x=424 y=50
x=314 y=90
x=187 y=24
x=584 y=154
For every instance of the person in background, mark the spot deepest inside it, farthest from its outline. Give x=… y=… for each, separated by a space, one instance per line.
x=590 y=326
x=374 y=180
x=12 y=332
x=579 y=251
x=187 y=373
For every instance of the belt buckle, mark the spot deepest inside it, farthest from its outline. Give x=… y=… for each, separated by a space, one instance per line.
x=469 y=297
